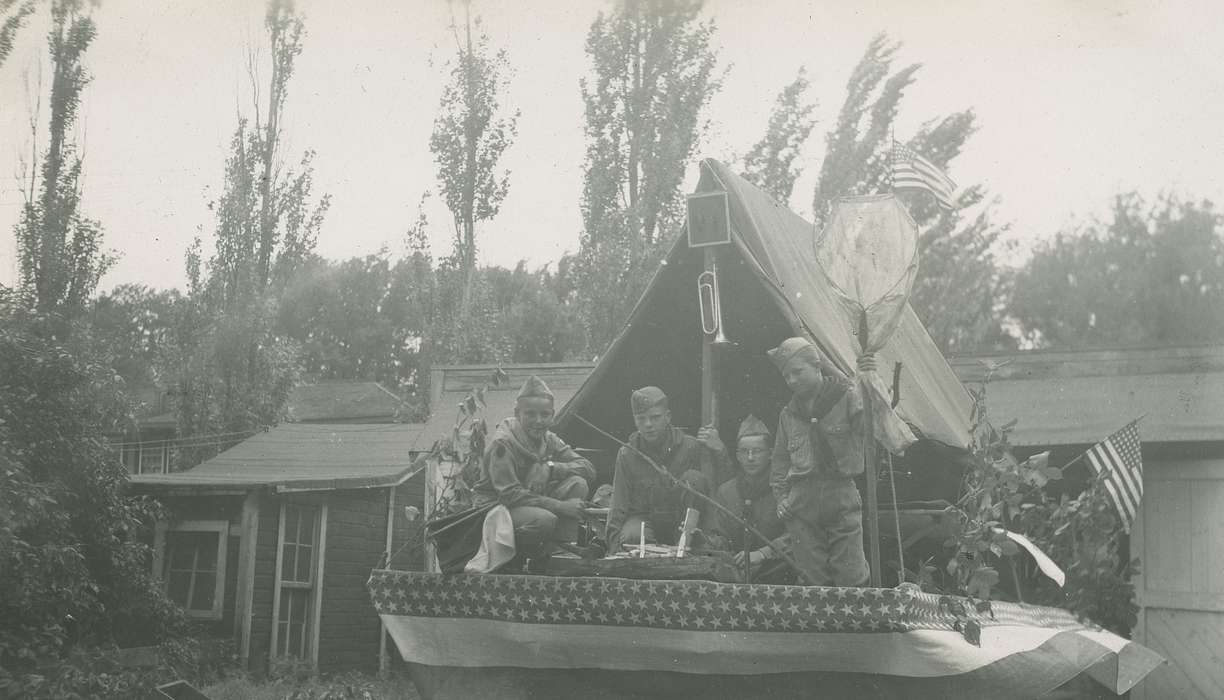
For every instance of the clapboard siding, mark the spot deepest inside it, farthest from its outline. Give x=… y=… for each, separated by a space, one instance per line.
x=265 y=582
x=356 y=535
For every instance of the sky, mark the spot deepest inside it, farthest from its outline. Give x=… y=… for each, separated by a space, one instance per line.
x=1076 y=101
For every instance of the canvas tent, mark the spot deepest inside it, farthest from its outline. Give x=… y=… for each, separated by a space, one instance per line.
x=771 y=288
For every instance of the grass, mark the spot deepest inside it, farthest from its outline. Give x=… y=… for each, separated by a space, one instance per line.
x=346 y=686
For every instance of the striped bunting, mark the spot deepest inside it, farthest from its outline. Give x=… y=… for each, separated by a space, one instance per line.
x=1119 y=459
x=912 y=170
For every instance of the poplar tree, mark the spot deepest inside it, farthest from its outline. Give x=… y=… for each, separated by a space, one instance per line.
x=770 y=164
x=59 y=248
x=653 y=72
x=236 y=370
x=961 y=290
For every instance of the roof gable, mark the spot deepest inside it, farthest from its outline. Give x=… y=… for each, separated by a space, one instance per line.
x=295 y=457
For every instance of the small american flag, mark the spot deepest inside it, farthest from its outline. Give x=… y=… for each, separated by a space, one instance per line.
x=1118 y=458
x=912 y=170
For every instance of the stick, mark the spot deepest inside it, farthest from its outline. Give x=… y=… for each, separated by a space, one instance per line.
x=690 y=490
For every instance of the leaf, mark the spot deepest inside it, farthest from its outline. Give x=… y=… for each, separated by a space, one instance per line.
x=981 y=581
x=973 y=633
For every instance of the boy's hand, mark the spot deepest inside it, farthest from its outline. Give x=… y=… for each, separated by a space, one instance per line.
x=708 y=436
x=571 y=508
x=867 y=362
x=784 y=513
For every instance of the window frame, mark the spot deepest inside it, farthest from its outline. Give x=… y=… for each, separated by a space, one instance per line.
x=221 y=529
x=313 y=588
x=157 y=459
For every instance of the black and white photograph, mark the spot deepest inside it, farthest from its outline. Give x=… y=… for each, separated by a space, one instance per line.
x=611 y=349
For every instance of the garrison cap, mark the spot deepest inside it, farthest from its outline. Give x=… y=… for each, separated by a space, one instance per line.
x=752 y=426
x=791 y=348
x=647 y=398
x=534 y=386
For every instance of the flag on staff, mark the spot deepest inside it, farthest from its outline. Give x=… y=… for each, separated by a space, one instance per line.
x=1118 y=458
x=912 y=170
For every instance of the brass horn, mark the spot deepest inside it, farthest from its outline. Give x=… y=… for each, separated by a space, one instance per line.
x=711 y=308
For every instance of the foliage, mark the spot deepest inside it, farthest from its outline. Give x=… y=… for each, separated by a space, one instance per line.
x=74 y=563
x=465 y=447
x=653 y=72
x=471 y=131
x=13 y=14
x=1080 y=532
x=234 y=370
x=362 y=318
x=770 y=164
x=344 y=686
x=136 y=323
x=961 y=289
x=60 y=249
x=1151 y=274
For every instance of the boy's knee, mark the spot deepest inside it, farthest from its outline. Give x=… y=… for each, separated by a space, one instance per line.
x=573 y=487
x=537 y=521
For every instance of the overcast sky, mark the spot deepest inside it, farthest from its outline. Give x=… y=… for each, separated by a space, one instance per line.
x=1076 y=101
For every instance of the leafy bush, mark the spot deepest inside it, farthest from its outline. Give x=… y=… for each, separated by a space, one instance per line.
x=74 y=558
x=1081 y=533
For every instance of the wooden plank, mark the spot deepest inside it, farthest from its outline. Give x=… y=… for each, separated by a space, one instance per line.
x=384 y=661
x=317 y=613
x=244 y=602
x=1166 y=556
x=1184 y=600
x=1193 y=642
x=276 y=579
x=1207 y=538
x=1183 y=470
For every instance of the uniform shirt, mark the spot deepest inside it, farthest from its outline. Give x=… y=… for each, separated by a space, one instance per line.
x=637 y=489
x=756 y=501
x=819 y=437
x=515 y=473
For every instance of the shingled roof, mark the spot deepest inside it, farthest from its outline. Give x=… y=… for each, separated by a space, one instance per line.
x=344 y=401
x=305 y=457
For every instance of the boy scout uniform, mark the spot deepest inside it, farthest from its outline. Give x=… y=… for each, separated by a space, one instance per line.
x=817 y=454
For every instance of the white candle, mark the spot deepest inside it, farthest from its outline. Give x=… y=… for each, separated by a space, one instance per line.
x=642 y=542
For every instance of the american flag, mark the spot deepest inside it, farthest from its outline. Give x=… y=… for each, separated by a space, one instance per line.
x=1118 y=458
x=704 y=627
x=912 y=170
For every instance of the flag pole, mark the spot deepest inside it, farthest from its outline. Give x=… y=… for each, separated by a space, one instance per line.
x=1081 y=455
x=872 y=505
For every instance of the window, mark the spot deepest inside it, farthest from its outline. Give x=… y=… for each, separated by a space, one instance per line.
x=153 y=459
x=302 y=530
x=190 y=559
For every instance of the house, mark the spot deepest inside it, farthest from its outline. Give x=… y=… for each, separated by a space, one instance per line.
x=1066 y=401
x=271 y=541
x=150 y=447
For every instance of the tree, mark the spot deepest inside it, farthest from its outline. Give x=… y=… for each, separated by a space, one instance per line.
x=653 y=72
x=13 y=14
x=470 y=134
x=235 y=370
x=60 y=249
x=74 y=558
x=960 y=290
x=1152 y=273
x=770 y=164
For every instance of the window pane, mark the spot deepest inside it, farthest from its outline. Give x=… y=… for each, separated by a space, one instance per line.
x=177 y=584
x=306 y=530
x=304 y=561
x=206 y=559
x=295 y=640
x=289 y=561
x=205 y=592
x=292 y=516
x=298 y=605
x=283 y=615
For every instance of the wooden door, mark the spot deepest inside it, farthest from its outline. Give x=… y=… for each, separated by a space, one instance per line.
x=1179 y=539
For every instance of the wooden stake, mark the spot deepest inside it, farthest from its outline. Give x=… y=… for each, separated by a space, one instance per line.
x=871 y=502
